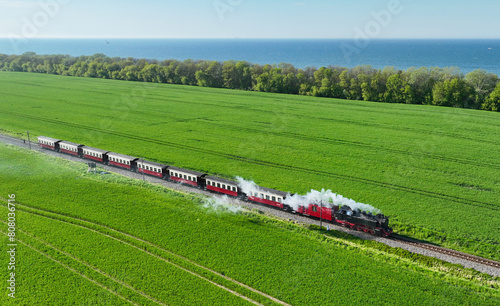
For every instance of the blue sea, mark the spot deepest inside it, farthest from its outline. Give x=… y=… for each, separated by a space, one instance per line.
x=467 y=54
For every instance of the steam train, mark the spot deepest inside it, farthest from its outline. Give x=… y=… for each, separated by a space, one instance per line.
x=342 y=215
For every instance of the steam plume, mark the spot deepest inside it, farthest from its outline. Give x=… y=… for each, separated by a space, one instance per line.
x=221 y=204
x=328 y=199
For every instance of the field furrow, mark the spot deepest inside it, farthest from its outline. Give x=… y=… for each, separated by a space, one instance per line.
x=133 y=241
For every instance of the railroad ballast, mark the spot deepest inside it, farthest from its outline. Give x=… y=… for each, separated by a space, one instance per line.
x=341 y=214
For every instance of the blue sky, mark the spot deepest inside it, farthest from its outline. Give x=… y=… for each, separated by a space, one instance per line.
x=250 y=18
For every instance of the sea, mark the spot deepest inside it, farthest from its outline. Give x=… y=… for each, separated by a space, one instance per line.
x=466 y=54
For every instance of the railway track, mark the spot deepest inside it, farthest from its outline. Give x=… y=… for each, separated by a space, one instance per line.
x=253 y=161
x=401 y=241
x=441 y=250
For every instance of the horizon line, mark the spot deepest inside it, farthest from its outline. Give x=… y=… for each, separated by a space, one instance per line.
x=250 y=38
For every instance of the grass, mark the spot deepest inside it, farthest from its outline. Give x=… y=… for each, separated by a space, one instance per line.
x=434 y=171
x=122 y=234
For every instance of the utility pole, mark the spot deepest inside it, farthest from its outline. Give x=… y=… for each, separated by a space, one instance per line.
x=142 y=168
x=29 y=142
x=321 y=215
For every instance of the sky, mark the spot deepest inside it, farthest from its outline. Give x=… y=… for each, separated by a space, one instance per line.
x=249 y=19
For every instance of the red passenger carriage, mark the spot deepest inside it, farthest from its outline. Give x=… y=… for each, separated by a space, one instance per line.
x=151 y=168
x=49 y=143
x=222 y=186
x=70 y=148
x=186 y=176
x=269 y=197
x=95 y=154
x=122 y=161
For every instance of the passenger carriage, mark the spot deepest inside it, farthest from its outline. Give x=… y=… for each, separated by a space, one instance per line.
x=345 y=216
x=186 y=176
x=269 y=197
x=317 y=211
x=70 y=148
x=95 y=154
x=122 y=161
x=222 y=186
x=151 y=168
x=49 y=143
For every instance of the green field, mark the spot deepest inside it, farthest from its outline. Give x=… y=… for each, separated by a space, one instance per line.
x=434 y=171
x=103 y=239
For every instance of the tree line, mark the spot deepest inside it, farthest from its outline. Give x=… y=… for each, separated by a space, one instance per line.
x=432 y=86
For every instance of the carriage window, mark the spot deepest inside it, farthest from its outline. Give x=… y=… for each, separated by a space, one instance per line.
x=315 y=208
x=234 y=189
x=273 y=199
x=213 y=184
x=218 y=185
x=223 y=186
x=267 y=197
x=279 y=200
x=261 y=195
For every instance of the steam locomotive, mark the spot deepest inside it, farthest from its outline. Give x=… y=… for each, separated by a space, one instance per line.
x=342 y=215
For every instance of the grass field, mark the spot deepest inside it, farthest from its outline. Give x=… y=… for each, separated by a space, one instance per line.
x=91 y=239
x=433 y=170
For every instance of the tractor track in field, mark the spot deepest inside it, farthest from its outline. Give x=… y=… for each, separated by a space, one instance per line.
x=344 y=121
x=79 y=222
x=360 y=144
x=73 y=270
x=281 y=214
x=95 y=269
x=148 y=86
x=449 y=252
x=431 y=194
x=317 y=139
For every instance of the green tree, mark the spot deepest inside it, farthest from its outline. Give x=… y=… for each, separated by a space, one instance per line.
x=398 y=90
x=483 y=84
x=421 y=83
x=454 y=92
x=492 y=103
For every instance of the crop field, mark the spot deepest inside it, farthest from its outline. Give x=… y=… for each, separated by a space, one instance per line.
x=434 y=171
x=103 y=239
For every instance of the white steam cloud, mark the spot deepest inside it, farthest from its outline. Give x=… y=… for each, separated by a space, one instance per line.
x=221 y=204
x=328 y=199
x=248 y=187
